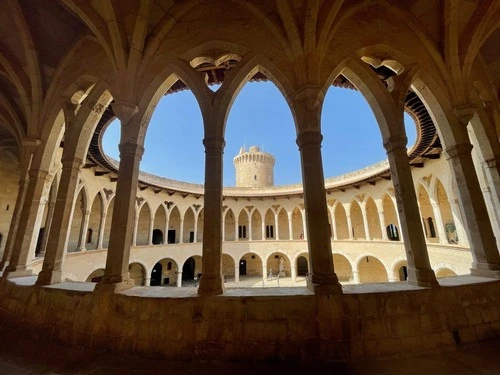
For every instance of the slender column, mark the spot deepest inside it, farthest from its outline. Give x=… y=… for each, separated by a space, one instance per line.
x=365 y=223
x=223 y=229
x=61 y=223
x=29 y=225
x=439 y=222
x=179 y=279
x=491 y=167
x=334 y=224
x=116 y=275
x=263 y=229
x=304 y=225
x=290 y=225
x=50 y=214
x=419 y=268
x=136 y=226
x=486 y=260
x=237 y=273
x=383 y=229
x=250 y=237
x=165 y=236
x=151 y=225
x=236 y=238
x=349 y=225
x=293 y=272
x=323 y=279
x=457 y=219
x=277 y=226
x=83 y=230
x=102 y=225
x=181 y=234
x=212 y=283
x=264 y=271
x=355 y=276
x=147 y=280
x=196 y=229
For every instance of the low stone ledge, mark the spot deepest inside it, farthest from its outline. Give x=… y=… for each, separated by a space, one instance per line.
x=258 y=325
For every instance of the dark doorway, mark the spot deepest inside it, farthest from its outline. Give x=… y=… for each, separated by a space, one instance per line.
x=157 y=237
x=191 y=236
x=171 y=236
x=188 y=269
x=38 y=247
x=156 y=275
x=243 y=267
x=403 y=273
x=302 y=268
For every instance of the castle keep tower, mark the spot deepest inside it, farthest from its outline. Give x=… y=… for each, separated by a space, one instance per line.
x=254 y=168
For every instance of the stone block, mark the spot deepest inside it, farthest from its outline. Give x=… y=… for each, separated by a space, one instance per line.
x=473 y=314
x=486 y=332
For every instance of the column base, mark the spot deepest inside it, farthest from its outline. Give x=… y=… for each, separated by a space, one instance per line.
x=211 y=285
x=424 y=278
x=3 y=265
x=324 y=285
x=114 y=284
x=13 y=272
x=49 y=277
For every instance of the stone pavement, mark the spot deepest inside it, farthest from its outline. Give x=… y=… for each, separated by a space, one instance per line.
x=21 y=355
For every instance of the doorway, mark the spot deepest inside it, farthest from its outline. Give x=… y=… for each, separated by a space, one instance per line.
x=156 y=274
x=188 y=269
x=302 y=268
x=243 y=267
x=171 y=236
x=157 y=237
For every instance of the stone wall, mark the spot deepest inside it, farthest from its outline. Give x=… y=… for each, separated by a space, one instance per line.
x=257 y=327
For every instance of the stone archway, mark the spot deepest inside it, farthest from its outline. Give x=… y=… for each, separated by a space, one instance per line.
x=371 y=270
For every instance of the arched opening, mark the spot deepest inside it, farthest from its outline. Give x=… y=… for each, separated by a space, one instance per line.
x=373 y=219
x=302 y=266
x=89 y=236
x=188 y=226
x=191 y=270
x=76 y=222
x=445 y=272
x=159 y=225
x=228 y=267
x=251 y=264
x=343 y=268
x=256 y=225
x=278 y=264
x=427 y=214
x=137 y=273
x=283 y=228
x=392 y=232
x=297 y=224
x=156 y=275
x=199 y=229
x=164 y=273
x=94 y=223
x=341 y=222
x=371 y=270
x=157 y=236
x=143 y=226
x=243 y=225
x=446 y=214
x=401 y=271
x=270 y=225
x=357 y=221
x=229 y=224
x=96 y=276
x=174 y=224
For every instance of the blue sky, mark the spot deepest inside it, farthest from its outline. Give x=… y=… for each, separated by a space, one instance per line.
x=259 y=116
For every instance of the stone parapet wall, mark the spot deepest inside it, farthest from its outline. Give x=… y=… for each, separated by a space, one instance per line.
x=257 y=327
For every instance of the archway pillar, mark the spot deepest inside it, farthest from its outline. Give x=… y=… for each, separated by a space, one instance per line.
x=83 y=230
x=458 y=220
x=102 y=225
x=419 y=269
x=179 y=279
x=28 y=148
x=349 y=224
x=276 y=226
x=365 y=223
x=195 y=229
x=48 y=224
x=491 y=167
x=151 y=228
x=181 y=231
x=263 y=229
x=323 y=279
x=61 y=223
x=136 y=226
x=293 y=272
x=29 y=225
x=290 y=225
x=116 y=276
x=212 y=283
x=237 y=273
x=486 y=260
x=147 y=280
x=304 y=225
x=381 y=217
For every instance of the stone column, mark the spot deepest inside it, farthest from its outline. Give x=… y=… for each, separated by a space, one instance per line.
x=264 y=271
x=349 y=224
x=223 y=229
x=334 y=224
x=165 y=236
x=116 y=275
x=102 y=225
x=29 y=225
x=263 y=229
x=61 y=223
x=323 y=279
x=290 y=225
x=181 y=231
x=83 y=230
x=134 y=233
x=48 y=224
x=419 y=269
x=212 y=283
x=486 y=261
x=196 y=229
x=383 y=229
x=237 y=273
x=365 y=223
x=491 y=167
x=151 y=225
x=439 y=223
x=28 y=149
x=236 y=238
x=147 y=281
x=179 y=279
x=457 y=219
x=355 y=276
x=293 y=272
x=276 y=227
x=250 y=237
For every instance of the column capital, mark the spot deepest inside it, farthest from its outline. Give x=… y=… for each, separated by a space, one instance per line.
x=309 y=138
x=214 y=143
x=72 y=163
x=395 y=143
x=491 y=163
x=131 y=149
x=124 y=110
x=457 y=150
x=310 y=95
x=464 y=113
x=38 y=174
